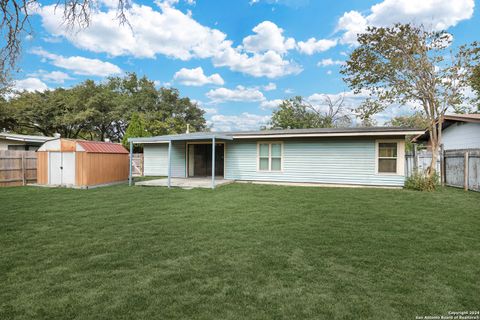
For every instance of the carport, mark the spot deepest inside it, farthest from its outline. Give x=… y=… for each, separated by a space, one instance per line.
x=206 y=138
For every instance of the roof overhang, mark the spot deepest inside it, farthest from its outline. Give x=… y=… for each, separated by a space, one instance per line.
x=179 y=137
x=26 y=139
x=332 y=134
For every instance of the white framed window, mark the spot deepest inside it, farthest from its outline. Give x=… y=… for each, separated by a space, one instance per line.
x=390 y=156
x=270 y=156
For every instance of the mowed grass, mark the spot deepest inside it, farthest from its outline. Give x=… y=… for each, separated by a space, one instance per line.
x=238 y=252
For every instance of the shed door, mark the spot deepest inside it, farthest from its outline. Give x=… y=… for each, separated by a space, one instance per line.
x=68 y=172
x=55 y=168
x=61 y=169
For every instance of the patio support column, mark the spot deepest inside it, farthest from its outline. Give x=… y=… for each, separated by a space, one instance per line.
x=169 y=163
x=213 y=163
x=130 y=167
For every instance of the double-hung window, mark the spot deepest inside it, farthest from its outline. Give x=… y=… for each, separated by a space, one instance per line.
x=387 y=157
x=270 y=156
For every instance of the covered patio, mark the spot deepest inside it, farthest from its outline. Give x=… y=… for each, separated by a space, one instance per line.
x=186 y=180
x=185 y=183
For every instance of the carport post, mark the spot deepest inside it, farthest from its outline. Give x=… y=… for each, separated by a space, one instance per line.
x=213 y=163
x=130 y=167
x=169 y=162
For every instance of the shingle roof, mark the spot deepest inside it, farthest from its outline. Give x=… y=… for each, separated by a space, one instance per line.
x=101 y=147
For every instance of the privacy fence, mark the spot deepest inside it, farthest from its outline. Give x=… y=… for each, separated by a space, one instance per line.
x=457 y=168
x=17 y=168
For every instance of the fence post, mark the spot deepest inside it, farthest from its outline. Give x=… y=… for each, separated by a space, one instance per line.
x=24 y=178
x=442 y=166
x=465 y=171
x=415 y=159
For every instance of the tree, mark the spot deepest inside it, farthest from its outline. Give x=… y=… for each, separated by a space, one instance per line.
x=416 y=120
x=15 y=25
x=296 y=113
x=475 y=84
x=98 y=111
x=135 y=129
x=407 y=64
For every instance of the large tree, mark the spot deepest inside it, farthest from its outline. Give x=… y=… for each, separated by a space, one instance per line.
x=98 y=111
x=408 y=64
x=296 y=113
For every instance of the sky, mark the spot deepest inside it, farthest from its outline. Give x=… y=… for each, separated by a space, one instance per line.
x=237 y=59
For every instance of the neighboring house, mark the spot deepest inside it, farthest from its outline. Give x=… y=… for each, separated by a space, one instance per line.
x=351 y=156
x=12 y=141
x=459 y=131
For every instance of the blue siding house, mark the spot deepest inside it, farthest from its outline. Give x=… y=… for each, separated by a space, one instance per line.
x=349 y=156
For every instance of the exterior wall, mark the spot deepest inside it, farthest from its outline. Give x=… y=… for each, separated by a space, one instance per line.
x=100 y=168
x=461 y=136
x=42 y=167
x=4 y=143
x=336 y=161
x=156 y=159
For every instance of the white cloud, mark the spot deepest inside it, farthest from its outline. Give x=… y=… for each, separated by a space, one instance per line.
x=30 y=85
x=329 y=62
x=433 y=14
x=268 y=36
x=270 y=86
x=269 y=64
x=196 y=77
x=53 y=76
x=352 y=23
x=79 y=65
x=244 y=121
x=270 y=104
x=238 y=94
x=174 y=34
x=313 y=45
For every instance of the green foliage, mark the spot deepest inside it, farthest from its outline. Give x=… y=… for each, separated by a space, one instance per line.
x=422 y=182
x=414 y=121
x=296 y=113
x=475 y=84
x=136 y=128
x=97 y=111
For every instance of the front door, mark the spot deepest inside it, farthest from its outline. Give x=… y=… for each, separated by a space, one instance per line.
x=200 y=163
x=61 y=169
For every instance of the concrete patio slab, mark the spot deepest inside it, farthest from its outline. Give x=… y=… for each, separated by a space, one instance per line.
x=185 y=183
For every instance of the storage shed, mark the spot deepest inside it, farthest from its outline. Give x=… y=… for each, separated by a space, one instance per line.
x=81 y=163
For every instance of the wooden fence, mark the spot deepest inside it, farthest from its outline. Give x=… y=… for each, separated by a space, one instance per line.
x=17 y=168
x=457 y=168
x=137 y=165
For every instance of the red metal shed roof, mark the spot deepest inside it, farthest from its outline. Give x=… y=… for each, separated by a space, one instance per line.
x=102 y=147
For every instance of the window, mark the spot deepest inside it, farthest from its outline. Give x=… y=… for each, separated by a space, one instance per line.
x=387 y=157
x=270 y=156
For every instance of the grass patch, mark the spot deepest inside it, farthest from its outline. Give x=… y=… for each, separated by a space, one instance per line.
x=238 y=252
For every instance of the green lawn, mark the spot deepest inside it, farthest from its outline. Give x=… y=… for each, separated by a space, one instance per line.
x=239 y=252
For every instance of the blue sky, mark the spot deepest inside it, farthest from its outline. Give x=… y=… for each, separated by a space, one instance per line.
x=237 y=59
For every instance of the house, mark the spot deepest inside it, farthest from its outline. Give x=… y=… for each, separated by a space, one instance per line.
x=12 y=141
x=459 y=131
x=81 y=163
x=348 y=156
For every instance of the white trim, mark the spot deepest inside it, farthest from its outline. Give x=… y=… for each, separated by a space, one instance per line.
x=400 y=157
x=269 y=143
x=313 y=135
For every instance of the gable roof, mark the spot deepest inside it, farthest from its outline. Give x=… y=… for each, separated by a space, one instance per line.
x=448 y=120
x=101 y=147
x=283 y=133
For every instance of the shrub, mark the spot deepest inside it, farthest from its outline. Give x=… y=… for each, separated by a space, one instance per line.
x=422 y=182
